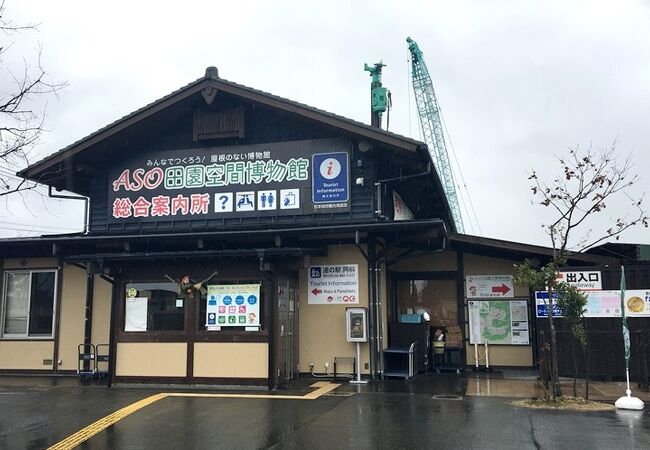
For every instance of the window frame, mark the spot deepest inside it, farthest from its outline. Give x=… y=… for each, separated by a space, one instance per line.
x=149 y=333
x=3 y=304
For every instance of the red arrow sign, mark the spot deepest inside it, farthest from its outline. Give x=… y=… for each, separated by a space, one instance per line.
x=316 y=291
x=503 y=289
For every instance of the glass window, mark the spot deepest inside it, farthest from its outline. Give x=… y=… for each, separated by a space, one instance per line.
x=154 y=307
x=436 y=297
x=29 y=303
x=41 y=305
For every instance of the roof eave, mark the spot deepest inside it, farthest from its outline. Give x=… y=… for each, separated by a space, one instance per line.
x=279 y=103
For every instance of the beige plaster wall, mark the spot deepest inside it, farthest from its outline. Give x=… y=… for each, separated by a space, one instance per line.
x=101 y=311
x=322 y=327
x=72 y=305
x=231 y=359
x=499 y=355
x=25 y=355
x=151 y=359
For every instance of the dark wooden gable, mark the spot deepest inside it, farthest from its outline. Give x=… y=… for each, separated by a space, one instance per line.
x=213 y=113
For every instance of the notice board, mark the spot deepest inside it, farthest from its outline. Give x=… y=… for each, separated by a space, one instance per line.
x=499 y=322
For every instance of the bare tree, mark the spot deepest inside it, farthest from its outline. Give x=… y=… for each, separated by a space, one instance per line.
x=588 y=183
x=21 y=122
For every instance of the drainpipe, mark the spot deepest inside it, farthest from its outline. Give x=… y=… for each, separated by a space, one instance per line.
x=378 y=184
x=112 y=340
x=88 y=316
x=73 y=197
x=372 y=301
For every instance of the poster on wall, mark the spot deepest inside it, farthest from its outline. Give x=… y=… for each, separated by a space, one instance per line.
x=489 y=286
x=499 y=322
x=232 y=305
x=135 y=314
x=603 y=304
x=333 y=285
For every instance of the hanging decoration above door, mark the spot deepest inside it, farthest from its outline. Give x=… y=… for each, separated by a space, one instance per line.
x=188 y=285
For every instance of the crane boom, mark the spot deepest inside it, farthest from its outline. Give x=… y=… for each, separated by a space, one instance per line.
x=429 y=112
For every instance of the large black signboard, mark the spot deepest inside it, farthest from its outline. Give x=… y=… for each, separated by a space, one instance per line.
x=288 y=178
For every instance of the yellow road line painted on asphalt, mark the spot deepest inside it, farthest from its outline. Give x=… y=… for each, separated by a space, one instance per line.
x=103 y=423
x=322 y=388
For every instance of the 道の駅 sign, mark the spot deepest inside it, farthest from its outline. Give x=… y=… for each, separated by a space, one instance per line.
x=337 y=284
x=489 y=286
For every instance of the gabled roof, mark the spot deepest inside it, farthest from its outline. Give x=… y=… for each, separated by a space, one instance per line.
x=38 y=171
x=499 y=247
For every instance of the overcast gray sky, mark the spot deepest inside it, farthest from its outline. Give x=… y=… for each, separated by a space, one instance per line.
x=518 y=81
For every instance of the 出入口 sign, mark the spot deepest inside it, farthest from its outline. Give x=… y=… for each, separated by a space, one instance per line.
x=219 y=182
x=583 y=280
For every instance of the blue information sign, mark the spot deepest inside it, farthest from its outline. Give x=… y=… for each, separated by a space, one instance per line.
x=541 y=301
x=330 y=178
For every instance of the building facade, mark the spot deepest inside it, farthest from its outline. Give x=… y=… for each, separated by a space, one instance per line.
x=228 y=230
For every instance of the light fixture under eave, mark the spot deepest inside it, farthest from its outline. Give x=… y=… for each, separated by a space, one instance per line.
x=364 y=146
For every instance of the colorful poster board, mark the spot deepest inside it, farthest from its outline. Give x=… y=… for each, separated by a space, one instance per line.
x=232 y=305
x=499 y=322
x=333 y=285
x=489 y=286
x=603 y=304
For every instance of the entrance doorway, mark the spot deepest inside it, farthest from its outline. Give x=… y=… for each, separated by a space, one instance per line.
x=286 y=330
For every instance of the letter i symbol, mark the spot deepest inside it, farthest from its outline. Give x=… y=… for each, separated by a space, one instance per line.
x=329 y=168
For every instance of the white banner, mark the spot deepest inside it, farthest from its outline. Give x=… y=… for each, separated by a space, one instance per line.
x=603 y=304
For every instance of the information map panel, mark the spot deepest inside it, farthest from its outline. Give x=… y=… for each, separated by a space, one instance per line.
x=499 y=322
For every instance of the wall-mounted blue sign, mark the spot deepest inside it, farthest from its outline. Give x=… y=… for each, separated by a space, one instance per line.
x=330 y=180
x=541 y=304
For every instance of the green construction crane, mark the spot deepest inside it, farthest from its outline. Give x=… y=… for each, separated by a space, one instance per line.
x=429 y=112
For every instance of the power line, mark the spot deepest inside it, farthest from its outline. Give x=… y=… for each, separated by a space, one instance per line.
x=36 y=226
x=460 y=172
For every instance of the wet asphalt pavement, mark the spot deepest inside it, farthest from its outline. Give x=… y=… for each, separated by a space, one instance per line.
x=391 y=415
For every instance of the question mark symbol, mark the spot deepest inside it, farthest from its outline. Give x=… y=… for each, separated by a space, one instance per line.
x=223 y=199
